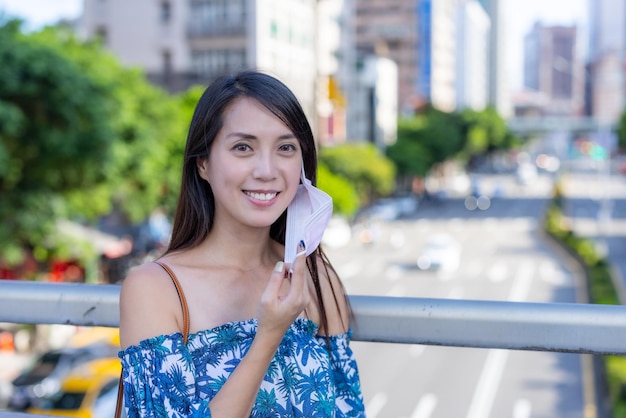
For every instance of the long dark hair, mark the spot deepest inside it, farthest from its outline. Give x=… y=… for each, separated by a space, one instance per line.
x=195 y=211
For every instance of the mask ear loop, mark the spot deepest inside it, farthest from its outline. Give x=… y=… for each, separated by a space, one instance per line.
x=293 y=234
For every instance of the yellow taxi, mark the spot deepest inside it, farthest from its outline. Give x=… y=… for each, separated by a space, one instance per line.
x=89 y=391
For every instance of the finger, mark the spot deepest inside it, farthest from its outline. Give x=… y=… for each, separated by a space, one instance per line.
x=276 y=280
x=296 y=272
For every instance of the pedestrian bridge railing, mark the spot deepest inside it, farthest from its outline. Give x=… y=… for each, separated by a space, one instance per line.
x=559 y=327
x=562 y=327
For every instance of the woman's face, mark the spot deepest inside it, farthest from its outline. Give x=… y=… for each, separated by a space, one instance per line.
x=254 y=165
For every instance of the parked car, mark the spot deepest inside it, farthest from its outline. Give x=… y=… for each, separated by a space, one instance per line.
x=89 y=391
x=43 y=379
x=441 y=251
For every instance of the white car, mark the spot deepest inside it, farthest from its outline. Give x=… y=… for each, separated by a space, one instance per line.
x=440 y=252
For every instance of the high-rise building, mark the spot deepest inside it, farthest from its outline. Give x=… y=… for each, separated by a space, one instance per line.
x=606 y=76
x=472 y=62
x=437 y=68
x=499 y=94
x=552 y=65
x=389 y=29
x=179 y=43
x=441 y=49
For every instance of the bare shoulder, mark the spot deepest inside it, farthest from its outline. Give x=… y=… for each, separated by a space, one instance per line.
x=149 y=305
x=334 y=296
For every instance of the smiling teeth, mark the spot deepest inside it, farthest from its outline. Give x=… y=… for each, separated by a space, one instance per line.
x=261 y=196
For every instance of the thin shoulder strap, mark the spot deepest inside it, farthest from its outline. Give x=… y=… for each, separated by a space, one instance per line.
x=183 y=304
x=181 y=297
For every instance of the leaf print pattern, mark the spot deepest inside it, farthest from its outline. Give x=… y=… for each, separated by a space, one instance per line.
x=163 y=377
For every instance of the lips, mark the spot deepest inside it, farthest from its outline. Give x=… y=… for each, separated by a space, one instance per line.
x=262 y=196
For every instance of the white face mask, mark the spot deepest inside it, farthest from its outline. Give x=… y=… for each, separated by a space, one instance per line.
x=308 y=215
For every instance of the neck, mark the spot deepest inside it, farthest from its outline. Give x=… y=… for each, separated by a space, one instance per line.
x=251 y=248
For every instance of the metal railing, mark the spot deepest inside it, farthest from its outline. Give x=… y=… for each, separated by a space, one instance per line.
x=559 y=327
x=563 y=327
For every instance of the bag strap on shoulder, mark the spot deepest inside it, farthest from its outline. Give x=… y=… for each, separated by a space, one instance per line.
x=185 y=308
x=181 y=297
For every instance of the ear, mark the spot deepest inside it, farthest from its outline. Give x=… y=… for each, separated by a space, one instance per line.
x=203 y=167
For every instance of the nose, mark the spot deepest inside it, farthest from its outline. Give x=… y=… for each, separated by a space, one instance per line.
x=265 y=167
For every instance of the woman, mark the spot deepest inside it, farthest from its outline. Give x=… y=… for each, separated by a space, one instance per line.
x=266 y=338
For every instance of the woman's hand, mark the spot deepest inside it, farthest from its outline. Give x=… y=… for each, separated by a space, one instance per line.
x=278 y=310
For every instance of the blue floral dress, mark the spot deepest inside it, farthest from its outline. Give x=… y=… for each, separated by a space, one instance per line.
x=163 y=377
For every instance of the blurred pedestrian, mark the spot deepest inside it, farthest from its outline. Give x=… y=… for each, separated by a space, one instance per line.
x=268 y=318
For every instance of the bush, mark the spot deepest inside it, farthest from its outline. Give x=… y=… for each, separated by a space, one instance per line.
x=601 y=291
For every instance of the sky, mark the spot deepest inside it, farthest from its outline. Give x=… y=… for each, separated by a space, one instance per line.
x=520 y=15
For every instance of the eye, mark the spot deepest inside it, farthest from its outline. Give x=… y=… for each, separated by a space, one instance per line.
x=288 y=147
x=241 y=147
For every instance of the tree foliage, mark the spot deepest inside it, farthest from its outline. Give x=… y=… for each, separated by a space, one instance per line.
x=621 y=132
x=345 y=198
x=80 y=136
x=55 y=138
x=424 y=140
x=432 y=137
x=486 y=131
x=370 y=172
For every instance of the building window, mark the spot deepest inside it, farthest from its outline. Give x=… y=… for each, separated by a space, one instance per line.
x=212 y=63
x=217 y=16
x=166 y=58
x=166 y=11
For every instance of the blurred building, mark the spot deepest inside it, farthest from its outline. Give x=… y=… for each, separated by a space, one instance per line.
x=389 y=29
x=374 y=98
x=472 y=59
x=440 y=47
x=335 y=60
x=308 y=44
x=180 y=43
x=552 y=66
x=499 y=96
x=606 y=60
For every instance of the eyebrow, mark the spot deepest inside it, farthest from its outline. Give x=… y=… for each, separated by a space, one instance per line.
x=249 y=136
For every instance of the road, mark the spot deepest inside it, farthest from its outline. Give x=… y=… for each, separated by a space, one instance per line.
x=504 y=257
x=597 y=209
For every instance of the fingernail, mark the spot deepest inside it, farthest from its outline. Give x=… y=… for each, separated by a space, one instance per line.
x=279 y=267
x=301 y=246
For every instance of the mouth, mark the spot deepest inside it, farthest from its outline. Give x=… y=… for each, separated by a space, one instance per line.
x=262 y=196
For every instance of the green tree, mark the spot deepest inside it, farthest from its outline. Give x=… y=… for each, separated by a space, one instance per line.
x=149 y=131
x=345 y=198
x=55 y=138
x=486 y=131
x=362 y=165
x=621 y=132
x=424 y=140
x=81 y=136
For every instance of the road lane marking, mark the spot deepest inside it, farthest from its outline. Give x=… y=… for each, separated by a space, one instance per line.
x=489 y=380
x=416 y=350
x=394 y=273
x=425 y=406
x=551 y=273
x=522 y=409
x=498 y=272
x=521 y=284
x=373 y=407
